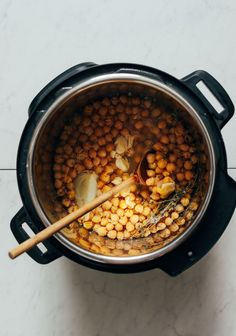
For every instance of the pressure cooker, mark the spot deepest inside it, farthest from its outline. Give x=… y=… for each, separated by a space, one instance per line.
x=48 y=113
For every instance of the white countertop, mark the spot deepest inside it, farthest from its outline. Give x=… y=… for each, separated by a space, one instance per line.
x=39 y=40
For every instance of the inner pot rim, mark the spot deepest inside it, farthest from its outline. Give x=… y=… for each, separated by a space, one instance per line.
x=67 y=94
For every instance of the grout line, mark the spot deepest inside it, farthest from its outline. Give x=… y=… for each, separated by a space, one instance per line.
x=14 y=169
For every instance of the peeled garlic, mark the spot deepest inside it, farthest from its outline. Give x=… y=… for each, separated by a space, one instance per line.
x=85 y=187
x=122 y=164
x=121 y=145
x=117 y=180
x=165 y=187
x=124 y=144
x=130 y=141
x=113 y=154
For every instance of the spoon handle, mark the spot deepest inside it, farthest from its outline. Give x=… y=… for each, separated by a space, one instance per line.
x=63 y=222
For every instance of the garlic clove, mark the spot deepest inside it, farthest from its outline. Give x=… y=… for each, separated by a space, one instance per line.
x=113 y=154
x=85 y=187
x=165 y=187
x=117 y=180
x=122 y=164
x=130 y=141
x=121 y=145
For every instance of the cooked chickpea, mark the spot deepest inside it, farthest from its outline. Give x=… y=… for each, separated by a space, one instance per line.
x=150 y=181
x=108 y=138
x=96 y=219
x=122 y=204
x=156 y=112
x=180 y=177
x=181 y=221
x=71 y=194
x=88 y=163
x=165 y=233
x=134 y=219
x=100 y=184
x=118 y=125
x=145 y=113
x=127 y=236
x=193 y=206
x=188 y=165
x=150 y=158
x=138 y=125
x=104 y=162
x=110 y=226
x=174 y=227
x=189 y=215
x=162 y=124
x=138 y=208
x=66 y=202
x=170 y=167
x=114 y=218
x=168 y=221
x=136 y=101
x=123 y=220
x=129 y=213
x=124 y=193
x=88 y=225
x=179 y=208
x=119 y=227
x=102 y=153
x=130 y=227
x=184 y=201
x=160 y=226
x=146 y=211
x=162 y=163
x=188 y=175
x=157 y=146
x=112 y=234
x=115 y=201
x=150 y=173
x=174 y=215
x=184 y=147
x=104 y=221
x=101 y=231
x=155 y=197
x=107 y=205
x=194 y=159
x=96 y=161
x=164 y=139
x=144 y=194
x=133 y=188
x=105 y=178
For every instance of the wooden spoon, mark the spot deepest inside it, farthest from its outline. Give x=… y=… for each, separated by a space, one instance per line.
x=139 y=177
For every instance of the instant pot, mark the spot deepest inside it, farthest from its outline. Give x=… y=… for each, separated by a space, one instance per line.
x=71 y=90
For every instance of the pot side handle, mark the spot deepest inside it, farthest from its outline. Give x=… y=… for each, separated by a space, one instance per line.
x=21 y=235
x=218 y=92
x=56 y=82
x=217 y=217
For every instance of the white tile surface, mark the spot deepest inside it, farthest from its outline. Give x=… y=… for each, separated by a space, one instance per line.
x=64 y=298
x=40 y=39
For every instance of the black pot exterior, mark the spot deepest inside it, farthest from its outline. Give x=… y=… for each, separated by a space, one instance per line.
x=217 y=215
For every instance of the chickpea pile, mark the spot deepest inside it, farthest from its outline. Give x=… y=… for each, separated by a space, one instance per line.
x=87 y=143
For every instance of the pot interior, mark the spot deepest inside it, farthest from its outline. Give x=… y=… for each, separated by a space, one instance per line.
x=41 y=165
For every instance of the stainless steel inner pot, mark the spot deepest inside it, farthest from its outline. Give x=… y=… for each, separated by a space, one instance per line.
x=70 y=99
